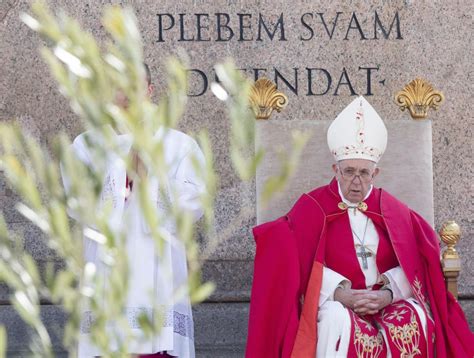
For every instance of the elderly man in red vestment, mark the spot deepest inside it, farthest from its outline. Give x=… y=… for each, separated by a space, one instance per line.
x=351 y=271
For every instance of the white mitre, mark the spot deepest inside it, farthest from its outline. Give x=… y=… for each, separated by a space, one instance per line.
x=358 y=132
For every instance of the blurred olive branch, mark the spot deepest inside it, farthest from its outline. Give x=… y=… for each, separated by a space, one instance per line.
x=90 y=79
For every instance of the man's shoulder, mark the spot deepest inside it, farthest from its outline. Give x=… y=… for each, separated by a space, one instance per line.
x=324 y=197
x=306 y=205
x=386 y=198
x=177 y=139
x=81 y=142
x=392 y=207
x=175 y=134
x=270 y=226
x=86 y=139
x=311 y=203
x=81 y=137
x=319 y=193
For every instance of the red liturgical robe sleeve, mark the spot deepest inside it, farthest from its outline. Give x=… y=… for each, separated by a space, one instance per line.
x=283 y=264
x=273 y=319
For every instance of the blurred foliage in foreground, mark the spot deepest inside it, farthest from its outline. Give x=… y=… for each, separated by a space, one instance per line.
x=90 y=79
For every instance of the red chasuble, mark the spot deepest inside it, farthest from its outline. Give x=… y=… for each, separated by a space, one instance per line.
x=291 y=253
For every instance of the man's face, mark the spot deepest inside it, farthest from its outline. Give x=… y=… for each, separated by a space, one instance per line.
x=355 y=177
x=122 y=101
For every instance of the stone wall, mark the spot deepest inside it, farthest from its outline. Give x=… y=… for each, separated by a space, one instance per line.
x=320 y=53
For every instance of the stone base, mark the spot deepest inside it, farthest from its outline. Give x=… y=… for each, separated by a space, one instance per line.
x=220 y=329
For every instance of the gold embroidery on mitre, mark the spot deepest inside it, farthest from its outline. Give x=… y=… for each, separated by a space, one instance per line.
x=370 y=151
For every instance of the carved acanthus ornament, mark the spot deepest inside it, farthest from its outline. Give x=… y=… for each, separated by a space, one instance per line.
x=418 y=96
x=265 y=98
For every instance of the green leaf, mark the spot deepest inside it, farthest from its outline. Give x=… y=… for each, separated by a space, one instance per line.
x=288 y=164
x=32 y=269
x=145 y=323
x=3 y=342
x=27 y=310
x=202 y=292
x=3 y=228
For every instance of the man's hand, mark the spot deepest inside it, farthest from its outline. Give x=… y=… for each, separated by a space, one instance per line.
x=372 y=302
x=363 y=302
x=347 y=296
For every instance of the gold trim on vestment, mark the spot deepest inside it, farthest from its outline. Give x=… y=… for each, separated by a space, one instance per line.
x=406 y=337
x=367 y=346
x=362 y=206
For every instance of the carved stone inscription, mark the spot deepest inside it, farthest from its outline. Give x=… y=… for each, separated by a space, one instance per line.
x=221 y=27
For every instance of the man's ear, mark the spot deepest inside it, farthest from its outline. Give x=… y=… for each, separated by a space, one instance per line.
x=376 y=171
x=334 y=168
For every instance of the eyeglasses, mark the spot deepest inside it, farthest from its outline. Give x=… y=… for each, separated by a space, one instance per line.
x=364 y=175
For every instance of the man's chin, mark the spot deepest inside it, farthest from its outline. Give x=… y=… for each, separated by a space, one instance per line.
x=355 y=198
